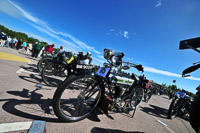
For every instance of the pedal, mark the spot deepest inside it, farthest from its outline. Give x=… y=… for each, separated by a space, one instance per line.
x=104 y=104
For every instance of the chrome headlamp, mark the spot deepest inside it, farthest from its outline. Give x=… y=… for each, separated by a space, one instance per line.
x=108 y=54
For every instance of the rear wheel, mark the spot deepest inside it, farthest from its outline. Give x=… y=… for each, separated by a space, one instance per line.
x=76 y=98
x=53 y=74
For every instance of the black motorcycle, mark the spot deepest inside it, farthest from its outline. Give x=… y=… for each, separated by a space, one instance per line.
x=180 y=105
x=63 y=65
x=107 y=89
x=193 y=44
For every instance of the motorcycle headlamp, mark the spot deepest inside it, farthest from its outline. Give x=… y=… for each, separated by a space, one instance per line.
x=108 y=54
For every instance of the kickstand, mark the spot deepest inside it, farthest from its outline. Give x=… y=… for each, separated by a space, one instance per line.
x=133 y=112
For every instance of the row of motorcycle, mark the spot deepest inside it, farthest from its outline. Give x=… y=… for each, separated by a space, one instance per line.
x=83 y=88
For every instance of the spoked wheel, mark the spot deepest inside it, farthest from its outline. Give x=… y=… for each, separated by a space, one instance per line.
x=76 y=98
x=137 y=96
x=43 y=62
x=53 y=74
x=173 y=109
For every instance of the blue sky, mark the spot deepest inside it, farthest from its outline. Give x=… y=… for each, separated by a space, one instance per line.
x=147 y=31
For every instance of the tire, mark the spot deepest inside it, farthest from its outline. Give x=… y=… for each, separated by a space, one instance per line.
x=137 y=96
x=53 y=74
x=77 y=106
x=43 y=62
x=146 y=98
x=173 y=109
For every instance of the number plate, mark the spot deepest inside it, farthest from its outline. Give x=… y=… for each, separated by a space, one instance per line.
x=87 y=67
x=102 y=71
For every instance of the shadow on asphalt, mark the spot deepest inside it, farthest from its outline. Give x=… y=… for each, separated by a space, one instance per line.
x=34 y=107
x=155 y=111
x=103 y=130
x=166 y=98
x=31 y=68
x=31 y=77
x=32 y=58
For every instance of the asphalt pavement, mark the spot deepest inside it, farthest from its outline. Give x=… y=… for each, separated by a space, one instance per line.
x=25 y=98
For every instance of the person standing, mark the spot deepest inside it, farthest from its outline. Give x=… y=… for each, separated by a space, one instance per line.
x=24 y=45
x=7 y=42
x=36 y=49
x=19 y=43
x=3 y=38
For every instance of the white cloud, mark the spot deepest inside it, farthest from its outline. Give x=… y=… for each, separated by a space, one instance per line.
x=126 y=34
x=159 y=3
x=122 y=33
x=166 y=73
x=100 y=56
x=80 y=43
x=99 y=60
x=38 y=37
x=16 y=11
x=112 y=29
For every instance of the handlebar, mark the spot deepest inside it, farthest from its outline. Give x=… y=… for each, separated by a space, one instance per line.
x=190 y=69
x=138 y=67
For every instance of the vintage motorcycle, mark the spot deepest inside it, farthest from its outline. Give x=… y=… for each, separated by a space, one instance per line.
x=64 y=65
x=180 y=105
x=108 y=90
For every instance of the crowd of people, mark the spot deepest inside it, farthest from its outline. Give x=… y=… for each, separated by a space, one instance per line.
x=35 y=49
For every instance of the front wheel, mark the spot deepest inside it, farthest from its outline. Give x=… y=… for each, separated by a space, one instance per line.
x=76 y=98
x=138 y=94
x=173 y=109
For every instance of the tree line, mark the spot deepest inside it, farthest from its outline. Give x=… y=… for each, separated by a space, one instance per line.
x=20 y=35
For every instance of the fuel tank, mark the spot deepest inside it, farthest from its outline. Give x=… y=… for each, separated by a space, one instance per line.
x=121 y=80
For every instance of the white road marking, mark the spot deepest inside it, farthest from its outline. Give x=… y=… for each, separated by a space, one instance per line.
x=20 y=70
x=25 y=71
x=162 y=123
x=16 y=126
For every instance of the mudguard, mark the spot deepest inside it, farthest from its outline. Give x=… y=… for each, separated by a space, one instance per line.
x=61 y=62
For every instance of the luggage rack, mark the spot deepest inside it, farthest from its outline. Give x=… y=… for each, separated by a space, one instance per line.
x=193 y=44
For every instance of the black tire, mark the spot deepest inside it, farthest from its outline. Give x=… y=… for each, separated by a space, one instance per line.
x=81 y=105
x=43 y=62
x=137 y=96
x=173 y=109
x=53 y=74
x=146 y=98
